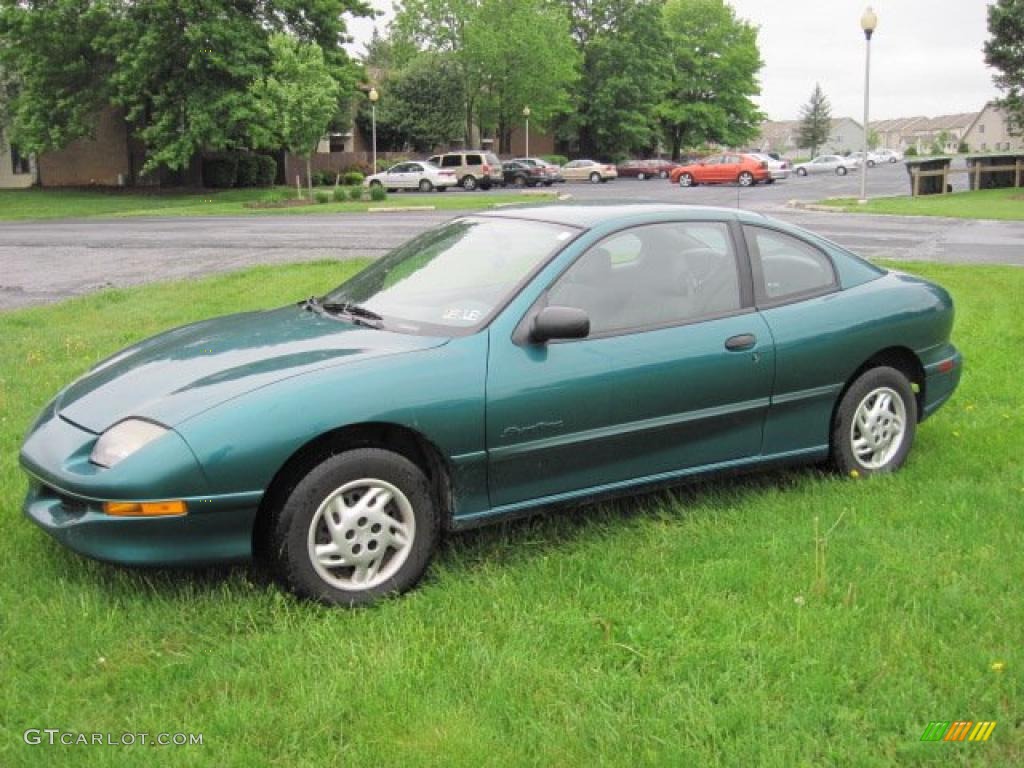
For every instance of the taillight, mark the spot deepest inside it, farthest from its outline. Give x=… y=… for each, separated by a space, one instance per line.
x=486 y=168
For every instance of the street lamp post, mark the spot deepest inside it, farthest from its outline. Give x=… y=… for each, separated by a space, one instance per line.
x=868 y=22
x=526 y=115
x=374 y=96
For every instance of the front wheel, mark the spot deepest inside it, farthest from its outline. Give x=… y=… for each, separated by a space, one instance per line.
x=595 y=178
x=425 y=185
x=641 y=176
x=871 y=163
x=361 y=525
x=663 y=174
x=520 y=181
x=874 y=425
x=841 y=170
x=801 y=171
x=746 y=179
x=685 y=180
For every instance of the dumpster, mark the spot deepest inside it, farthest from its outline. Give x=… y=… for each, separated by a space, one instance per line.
x=995 y=179
x=928 y=185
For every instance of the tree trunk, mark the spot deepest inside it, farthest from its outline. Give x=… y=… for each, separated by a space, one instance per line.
x=309 y=174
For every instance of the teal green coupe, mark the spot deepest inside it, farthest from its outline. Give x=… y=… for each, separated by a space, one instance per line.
x=498 y=364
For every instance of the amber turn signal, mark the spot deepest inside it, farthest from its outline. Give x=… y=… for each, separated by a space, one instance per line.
x=144 y=508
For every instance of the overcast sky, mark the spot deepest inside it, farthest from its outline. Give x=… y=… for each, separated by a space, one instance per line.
x=926 y=56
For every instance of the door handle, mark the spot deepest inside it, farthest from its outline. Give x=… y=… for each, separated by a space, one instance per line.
x=740 y=342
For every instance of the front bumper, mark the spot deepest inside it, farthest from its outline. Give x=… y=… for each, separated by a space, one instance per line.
x=66 y=495
x=215 y=530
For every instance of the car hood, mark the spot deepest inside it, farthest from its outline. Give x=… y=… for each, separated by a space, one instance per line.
x=180 y=373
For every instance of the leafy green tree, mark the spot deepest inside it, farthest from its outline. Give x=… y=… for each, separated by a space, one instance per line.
x=295 y=101
x=713 y=75
x=182 y=70
x=503 y=54
x=1004 y=52
x=55 y=72
x=622 y=50
x=815 y=121
x=420 y=105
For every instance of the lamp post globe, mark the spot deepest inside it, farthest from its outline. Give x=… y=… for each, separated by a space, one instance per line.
x=868 y=23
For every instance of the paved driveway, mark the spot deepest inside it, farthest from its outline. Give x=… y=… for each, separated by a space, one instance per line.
x=46 y=261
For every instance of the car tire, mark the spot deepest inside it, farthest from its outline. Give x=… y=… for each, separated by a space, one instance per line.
x=548 y=183
x=769 y=181
x=485 y=186
x=595 y=178
x=801 y=171
x=685 y=180
x=874 y=424
x=375 y=183
x=425 y=185
x=663 y=174
x=325 y=521
x=746 y=179
x=520 y=182
x=892 y=159
x=468 y=182
x=841 y=170
x=871 y=163
x=641 y=176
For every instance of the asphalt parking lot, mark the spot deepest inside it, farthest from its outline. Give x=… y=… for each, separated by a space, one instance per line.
x=46 y=261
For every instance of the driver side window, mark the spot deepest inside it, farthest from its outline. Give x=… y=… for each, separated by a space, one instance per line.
x=653 y=276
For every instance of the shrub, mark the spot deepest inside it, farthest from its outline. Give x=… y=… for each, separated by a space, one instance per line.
x=911 y=152
x=356 y=193
x=324 y=178
x=255 y=170
x=322 y=197
x=351 y=178
x=360 y=167
x=340 y=194
x=555 y=159
x=378 y=193
x=220 y=172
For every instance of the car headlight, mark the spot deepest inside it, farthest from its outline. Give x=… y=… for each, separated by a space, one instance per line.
x=123 y=439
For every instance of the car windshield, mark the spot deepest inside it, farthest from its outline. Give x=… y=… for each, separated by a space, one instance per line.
x=451 y=280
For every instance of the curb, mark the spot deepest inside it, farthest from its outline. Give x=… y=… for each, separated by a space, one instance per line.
x=401 y=208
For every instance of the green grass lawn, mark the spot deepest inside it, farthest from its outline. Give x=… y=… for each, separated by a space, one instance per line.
x=690 y=628
x=1006 y=204
x=81 y=203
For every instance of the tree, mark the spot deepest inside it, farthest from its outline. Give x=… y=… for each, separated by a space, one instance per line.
x=56 y=76
x=714 y=65
x=815 y=121
x=182 y=70
x=295 y=101
x=504 y=54
x=622 y=50
x=1005 y=53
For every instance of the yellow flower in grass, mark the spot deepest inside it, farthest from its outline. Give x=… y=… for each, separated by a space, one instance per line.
x=998 y=666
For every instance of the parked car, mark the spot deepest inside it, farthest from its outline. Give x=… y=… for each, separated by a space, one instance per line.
x=873 y=158
x=414 y=174
x=828 y=164
x=779 y=169
x=552 y=172
x=523 y=174
x=645 y=169
x=472 y=168
x=744 y=169
x=452 y=383
x=588 y=170
x=888 y=155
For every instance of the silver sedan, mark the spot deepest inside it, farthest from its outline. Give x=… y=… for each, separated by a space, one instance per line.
x=828 y=164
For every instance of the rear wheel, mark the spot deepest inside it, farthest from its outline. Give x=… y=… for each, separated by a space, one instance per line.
x=520 y=181
x=801 y=171
x=663 y=174
x=874 y=425
x=595 y=178
x=641 y=176
x=361 y=525
x=746 y=179
x=425 y=185
x=685 y=180
x=841 y=170
x=871 y=163
x=468 y=182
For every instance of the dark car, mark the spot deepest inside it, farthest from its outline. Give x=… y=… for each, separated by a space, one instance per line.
x=519 y=174
x=552 y=172
x=646 y=169
x=500 y=364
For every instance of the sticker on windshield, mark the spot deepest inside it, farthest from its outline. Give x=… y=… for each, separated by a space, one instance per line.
x=462 y=315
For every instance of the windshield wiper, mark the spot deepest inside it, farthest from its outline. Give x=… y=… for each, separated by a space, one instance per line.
x=358 y=313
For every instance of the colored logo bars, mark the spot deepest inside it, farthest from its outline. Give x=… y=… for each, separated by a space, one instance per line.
x=959 y=730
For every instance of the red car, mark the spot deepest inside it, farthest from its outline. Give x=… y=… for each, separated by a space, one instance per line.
x=744 y=170
x=646 y=169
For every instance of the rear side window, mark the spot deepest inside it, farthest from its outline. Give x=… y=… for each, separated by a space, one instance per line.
x=493 y=159
x=786 y=268
x=474 y=160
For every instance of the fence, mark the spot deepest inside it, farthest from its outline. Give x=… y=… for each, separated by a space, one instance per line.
x=976 y=170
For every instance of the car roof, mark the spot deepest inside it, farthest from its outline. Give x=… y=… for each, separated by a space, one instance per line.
x=587 y=216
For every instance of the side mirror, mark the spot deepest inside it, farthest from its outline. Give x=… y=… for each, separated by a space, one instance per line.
x=559 y=323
